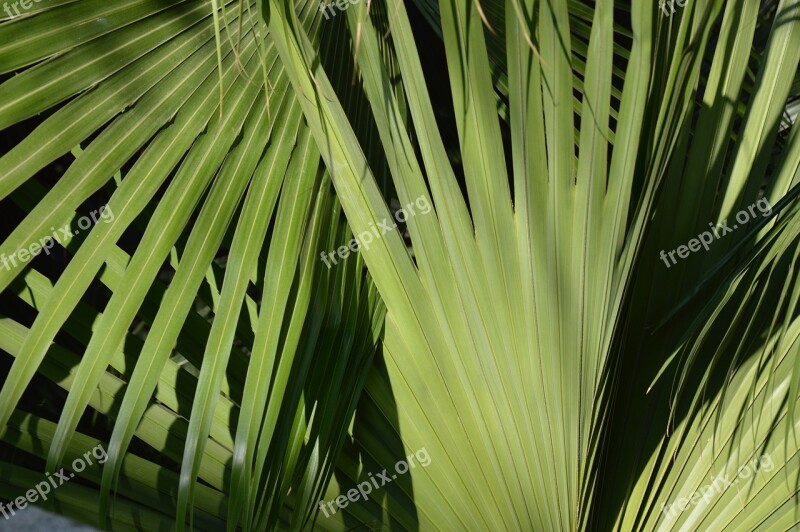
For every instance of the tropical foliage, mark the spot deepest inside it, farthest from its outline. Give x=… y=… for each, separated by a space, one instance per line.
x=526 y=331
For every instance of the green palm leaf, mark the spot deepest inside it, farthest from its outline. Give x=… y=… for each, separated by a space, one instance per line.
x=162 y=362
x=520 y=334
x=535 y=335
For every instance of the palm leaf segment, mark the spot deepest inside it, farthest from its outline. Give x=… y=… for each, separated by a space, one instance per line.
x=184 y=330
x=507 y=332
x=507 y=329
